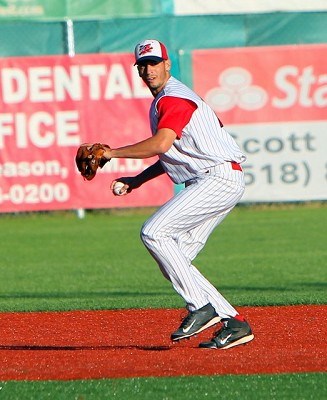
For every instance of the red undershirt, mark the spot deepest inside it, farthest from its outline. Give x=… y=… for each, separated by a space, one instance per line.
x=175 y=113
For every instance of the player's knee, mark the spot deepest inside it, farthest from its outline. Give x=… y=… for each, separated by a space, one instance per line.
x=147 y=235
x=144 y=235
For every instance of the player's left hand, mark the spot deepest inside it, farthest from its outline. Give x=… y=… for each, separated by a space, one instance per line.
x=130 y=183
x=90 y=157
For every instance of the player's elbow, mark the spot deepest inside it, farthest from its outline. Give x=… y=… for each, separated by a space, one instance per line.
x=164 y=139
x=163 y=148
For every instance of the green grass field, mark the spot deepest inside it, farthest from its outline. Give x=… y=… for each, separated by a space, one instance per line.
x=259 y=256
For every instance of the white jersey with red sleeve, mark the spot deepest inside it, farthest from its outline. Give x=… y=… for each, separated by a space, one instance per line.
x=201 y=143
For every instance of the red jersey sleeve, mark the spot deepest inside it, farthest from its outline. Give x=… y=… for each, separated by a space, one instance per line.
x=175 y=113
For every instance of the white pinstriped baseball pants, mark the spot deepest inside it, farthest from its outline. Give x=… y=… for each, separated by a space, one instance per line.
x=178 y=231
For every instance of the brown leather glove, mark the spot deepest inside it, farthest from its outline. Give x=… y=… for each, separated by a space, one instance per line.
x=89 y=158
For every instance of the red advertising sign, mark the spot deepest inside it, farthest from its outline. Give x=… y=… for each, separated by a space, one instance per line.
x=48 y=106
x=264 y=83
x=273 y=100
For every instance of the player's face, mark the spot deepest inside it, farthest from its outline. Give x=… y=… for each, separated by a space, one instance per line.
x=154 y=74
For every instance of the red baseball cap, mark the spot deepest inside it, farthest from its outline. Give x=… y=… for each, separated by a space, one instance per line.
x=150 y=49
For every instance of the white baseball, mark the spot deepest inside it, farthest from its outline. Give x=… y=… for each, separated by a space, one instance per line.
x=117 y=187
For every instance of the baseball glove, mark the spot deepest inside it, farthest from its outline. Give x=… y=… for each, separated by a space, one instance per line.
x=89 y=158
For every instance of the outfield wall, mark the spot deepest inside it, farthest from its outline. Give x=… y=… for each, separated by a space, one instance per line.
x=64 y=81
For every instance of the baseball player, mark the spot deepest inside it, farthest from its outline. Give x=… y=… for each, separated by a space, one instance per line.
x=193 y=148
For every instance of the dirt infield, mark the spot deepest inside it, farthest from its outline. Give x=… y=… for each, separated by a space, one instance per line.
x=135 y=343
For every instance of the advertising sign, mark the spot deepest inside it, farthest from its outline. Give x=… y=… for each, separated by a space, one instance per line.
x=48 y=107
x=273 y=100
x=31 y=8
x=43 y=9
